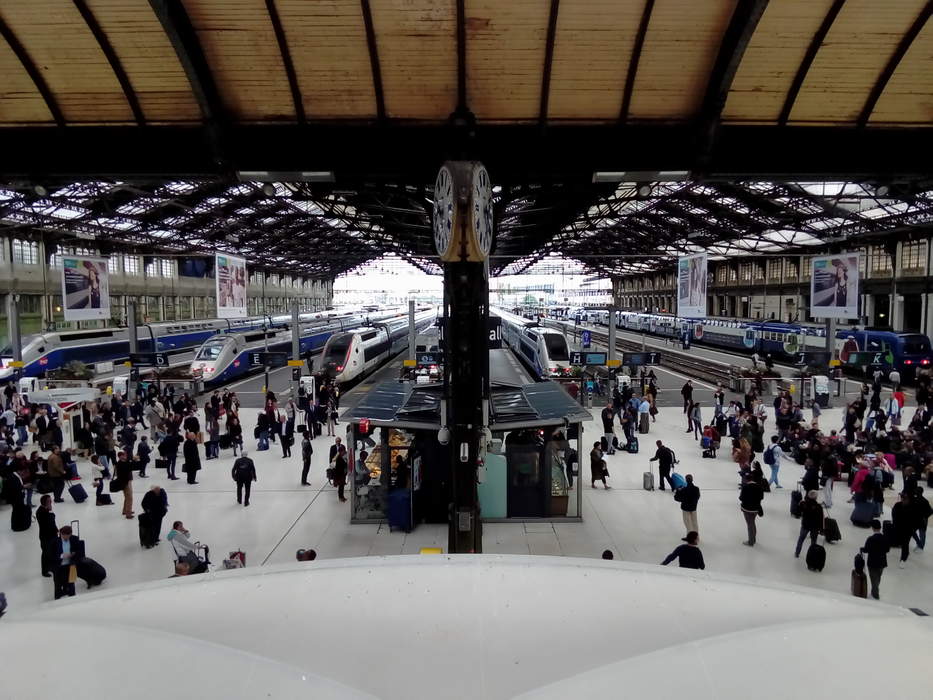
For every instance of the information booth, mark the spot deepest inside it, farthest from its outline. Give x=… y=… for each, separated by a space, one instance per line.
x=399 y=470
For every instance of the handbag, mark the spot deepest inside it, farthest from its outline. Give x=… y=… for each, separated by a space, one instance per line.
x=116 y=486
x=72 y=573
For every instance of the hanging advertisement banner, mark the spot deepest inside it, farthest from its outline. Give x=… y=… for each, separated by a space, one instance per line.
x=691 y=286
x=85 y=288
x=834 y=286
x=230 y=275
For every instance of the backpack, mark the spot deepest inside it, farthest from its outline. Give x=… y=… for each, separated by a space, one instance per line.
x=769 y=456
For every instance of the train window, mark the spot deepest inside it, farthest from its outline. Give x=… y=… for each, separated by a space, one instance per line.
x=89 y=335
x=368 y=336
x=916 y=344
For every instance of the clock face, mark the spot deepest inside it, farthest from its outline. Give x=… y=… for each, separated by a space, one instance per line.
x=443 y=210
x=482 y=209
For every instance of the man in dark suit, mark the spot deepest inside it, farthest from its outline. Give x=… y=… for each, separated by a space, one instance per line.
x=69 y=551
x=334 y=449
x=48 y=531
x=192 y=464
x=876 y=547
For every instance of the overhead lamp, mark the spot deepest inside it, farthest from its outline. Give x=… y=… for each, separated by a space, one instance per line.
x=285 y=176
x=641 y=175
x=643 y=191
x=882 y=190
x=268 y=189
x=40 y=190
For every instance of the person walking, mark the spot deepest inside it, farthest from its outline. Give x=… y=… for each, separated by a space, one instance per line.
x=811 y=520
x=192 y=460
x=688 y=555
x=666 y=460
x=750 y=498
x=606 y=416
x=244 y=474
x=902 y=517
x=772 y=457
x=142 y=455
x=48 y=531
x=235 y=431
x=55 y=466
x=340 y=472
x=287 y=437
x=688 y=497
x=597 y=466
x=155 y=504
x=876 y=547
x=687 y=392
x=123 y=471
x=696 y=420
x=922 y=512
x=306 y=451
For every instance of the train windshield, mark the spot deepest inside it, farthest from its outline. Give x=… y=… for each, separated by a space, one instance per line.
x=7 y=349
x=337 y=349
x=211 y=349
x=556 y=347
x=916 y=344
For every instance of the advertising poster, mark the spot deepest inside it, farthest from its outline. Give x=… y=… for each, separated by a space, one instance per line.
x=85 y=288
x=691 y=286
x=834 y=286
x=231 y=286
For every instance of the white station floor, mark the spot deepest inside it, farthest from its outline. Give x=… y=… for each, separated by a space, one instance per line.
x=636 y=525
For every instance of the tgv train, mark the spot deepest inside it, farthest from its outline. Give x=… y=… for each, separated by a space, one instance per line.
x=226 y=356
x=543 y=350
x=52 y=350
x=352 y=354
x=783 y=340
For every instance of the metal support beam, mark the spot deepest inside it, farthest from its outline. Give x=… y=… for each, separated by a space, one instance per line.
x=899 y=52
x=807 y=61
x=33 y=71
x=184 y=39
x=462 y=107
x=373 y=59
x=113 y=60
x=548 y=60
x=634 y=59
x=286 y=60
x=744 y=21
x=16 y=343
x=412 y=331
x=466 y=373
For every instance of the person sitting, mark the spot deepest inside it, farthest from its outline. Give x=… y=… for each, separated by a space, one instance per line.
x=186 y=550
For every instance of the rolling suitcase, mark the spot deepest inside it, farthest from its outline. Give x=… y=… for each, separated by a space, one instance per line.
x=859 y=584
x=161 y=463
x=795 y=498
x=399 y=511
x=146 y=535
x=77 y=493
x=226 y=441
x=92 y=573
x=816 y=557
x=632 y=446
x=863 y=513
x=647 y=481
x=678 y=480
x=21 y=517
x=831 y=530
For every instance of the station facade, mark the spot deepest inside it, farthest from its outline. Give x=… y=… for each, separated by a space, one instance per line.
x=896 y=287
x=32 y=269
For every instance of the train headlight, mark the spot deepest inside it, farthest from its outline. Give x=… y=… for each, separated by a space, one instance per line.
x=340 y=368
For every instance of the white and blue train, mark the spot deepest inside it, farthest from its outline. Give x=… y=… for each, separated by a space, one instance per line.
x=352 y=354
x=783 y=341
x=544 y=351
x=226 y=356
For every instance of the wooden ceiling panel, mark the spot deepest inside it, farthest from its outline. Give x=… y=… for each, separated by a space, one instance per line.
x=149 y=60
x=20 y=101
x=680 y=48
x=417 y=43
x=591 y=56
x=327 y=42
x=239 y=44
x=908 y=97
x=69 y=58
x=505 y=57
x=856 y=50
x=772 y=59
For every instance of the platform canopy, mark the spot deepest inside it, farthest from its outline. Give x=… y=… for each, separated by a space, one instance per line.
x=155 y=124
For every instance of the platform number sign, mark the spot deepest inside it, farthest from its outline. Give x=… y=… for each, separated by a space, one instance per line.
x=585 y=339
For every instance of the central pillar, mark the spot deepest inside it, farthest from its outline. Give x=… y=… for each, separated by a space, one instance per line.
x=463 y=232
